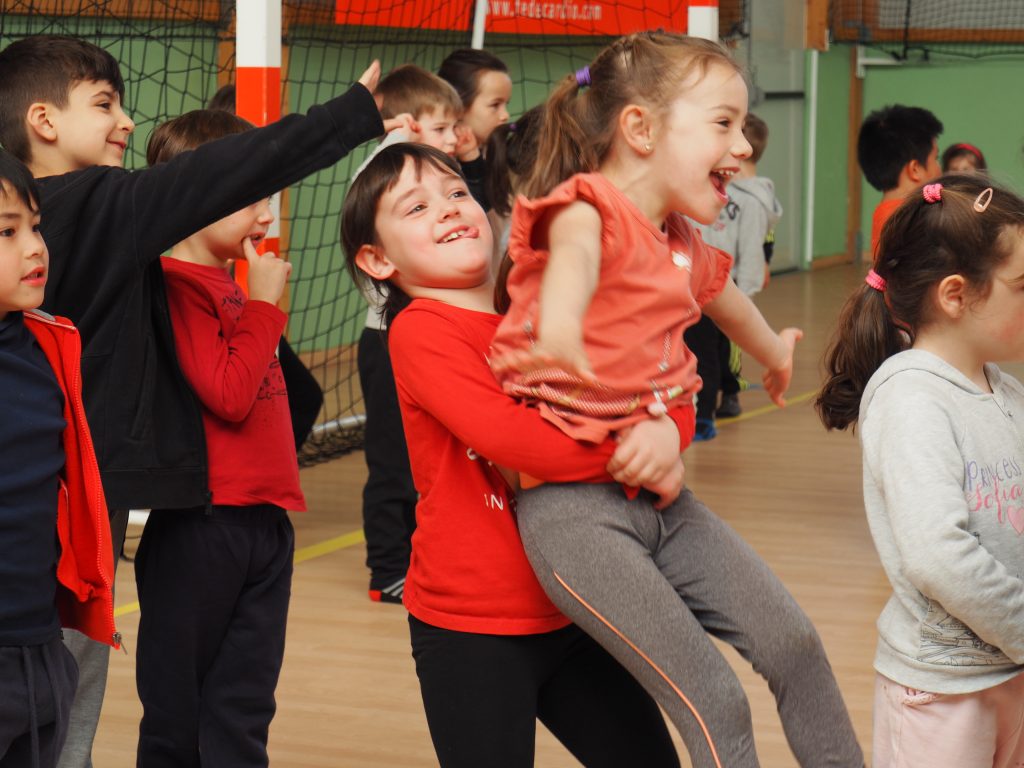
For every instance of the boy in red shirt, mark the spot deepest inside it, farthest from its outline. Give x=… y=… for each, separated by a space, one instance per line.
x=898 y=150
x=51 y=485
x=207 y=668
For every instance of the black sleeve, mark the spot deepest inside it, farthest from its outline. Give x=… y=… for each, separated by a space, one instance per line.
x=475 y=172
x=155 y=208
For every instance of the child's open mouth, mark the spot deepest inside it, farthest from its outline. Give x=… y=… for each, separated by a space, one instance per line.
x=35 y=277
x=719 y=179
x=458 y=234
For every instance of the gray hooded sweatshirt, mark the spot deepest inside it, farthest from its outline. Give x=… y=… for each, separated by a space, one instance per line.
x=741 y=227
x=944 y=493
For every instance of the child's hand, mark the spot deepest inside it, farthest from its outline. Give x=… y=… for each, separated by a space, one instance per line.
x=561 y=350
x=648 y=456
x=369 y=80
x=405 y=123
x=268 y=274
x=466 y=147
x=776 y=380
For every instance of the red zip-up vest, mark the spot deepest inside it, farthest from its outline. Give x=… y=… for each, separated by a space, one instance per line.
x=85 y=571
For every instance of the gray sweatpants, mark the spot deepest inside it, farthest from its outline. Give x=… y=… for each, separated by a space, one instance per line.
x=93 y=659
x=651 y=586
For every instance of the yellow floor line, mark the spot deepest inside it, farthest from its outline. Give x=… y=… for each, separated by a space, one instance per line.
x=767 y=409
x=356 y=537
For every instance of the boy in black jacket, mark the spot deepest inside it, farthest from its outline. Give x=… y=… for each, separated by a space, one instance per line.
x=61 y=113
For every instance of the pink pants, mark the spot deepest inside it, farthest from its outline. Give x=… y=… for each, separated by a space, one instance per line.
x=917 y=729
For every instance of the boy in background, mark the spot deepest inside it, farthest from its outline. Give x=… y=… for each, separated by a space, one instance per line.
x=207 y=668
x=898 y=151
x=61 y=113
x=743 y=228
x=389 y=496
x=55 y=558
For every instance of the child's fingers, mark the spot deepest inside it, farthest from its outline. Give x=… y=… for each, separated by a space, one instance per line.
x=371 y=76
x=249 y=250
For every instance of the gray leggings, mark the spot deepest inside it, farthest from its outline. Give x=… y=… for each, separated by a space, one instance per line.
x=651 y=586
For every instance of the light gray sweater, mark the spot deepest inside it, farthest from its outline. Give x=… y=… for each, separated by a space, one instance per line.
x=944 y=493
x=741 y=227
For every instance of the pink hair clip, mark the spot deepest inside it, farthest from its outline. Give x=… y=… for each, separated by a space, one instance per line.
x=875 y=280
x=932 y=193
x=982 y=200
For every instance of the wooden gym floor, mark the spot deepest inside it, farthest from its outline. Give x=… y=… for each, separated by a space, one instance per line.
x=348 y=695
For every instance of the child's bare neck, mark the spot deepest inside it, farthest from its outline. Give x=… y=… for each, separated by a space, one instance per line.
x=478 y=299
x=45 y=164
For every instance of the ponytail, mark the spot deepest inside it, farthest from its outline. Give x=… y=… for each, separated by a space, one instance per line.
x=866 y=337
x=566 y=146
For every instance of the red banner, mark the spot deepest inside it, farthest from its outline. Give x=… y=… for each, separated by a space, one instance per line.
x=524 y=17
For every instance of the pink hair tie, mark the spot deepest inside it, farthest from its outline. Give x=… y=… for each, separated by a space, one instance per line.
x=932 y=193
x=875 y=280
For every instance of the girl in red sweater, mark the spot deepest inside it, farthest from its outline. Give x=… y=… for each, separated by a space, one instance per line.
x=492 y=653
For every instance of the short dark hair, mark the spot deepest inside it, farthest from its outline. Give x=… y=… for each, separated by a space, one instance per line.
x=359 y=211
x=963 y=149
x=44 y=68
x=416 y=91
x=463 y=68
x=190 y=131
x=890 y=138
x=223 y=99
x=16 y=177
x=755 y=130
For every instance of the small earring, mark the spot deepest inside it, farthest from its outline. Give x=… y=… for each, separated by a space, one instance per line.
x=647 y=147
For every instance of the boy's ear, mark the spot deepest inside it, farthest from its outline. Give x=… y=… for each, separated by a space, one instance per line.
x=637 y=127
x=40 y=123
x=952 y=295
x=371 y=260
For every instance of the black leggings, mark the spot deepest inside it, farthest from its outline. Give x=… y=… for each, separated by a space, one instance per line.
x=483 y=695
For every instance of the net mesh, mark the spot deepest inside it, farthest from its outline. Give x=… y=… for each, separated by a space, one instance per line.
x=909 y=28
x=174 y=54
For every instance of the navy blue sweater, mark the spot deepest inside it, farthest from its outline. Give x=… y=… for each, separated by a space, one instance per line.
x=31 y=456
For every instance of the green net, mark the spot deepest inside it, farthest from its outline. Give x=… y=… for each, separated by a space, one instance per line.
x=175 y=53
x=917 y=28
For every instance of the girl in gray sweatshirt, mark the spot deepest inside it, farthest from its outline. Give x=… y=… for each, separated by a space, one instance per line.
x=942 y=431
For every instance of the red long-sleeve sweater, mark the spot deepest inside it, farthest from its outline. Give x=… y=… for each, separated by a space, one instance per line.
x=468 y=571
x=227 y=348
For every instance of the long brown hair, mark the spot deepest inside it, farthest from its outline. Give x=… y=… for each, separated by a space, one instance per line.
x=646 y=68
x=921 y=244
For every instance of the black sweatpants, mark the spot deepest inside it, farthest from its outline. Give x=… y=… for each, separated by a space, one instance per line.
x=389 y=496
x=712 y=349
x=483 y=695
x=214 y=591
x=37 y=686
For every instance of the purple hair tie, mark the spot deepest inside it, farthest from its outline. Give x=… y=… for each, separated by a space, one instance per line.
x=583 y=76
x=932 y=193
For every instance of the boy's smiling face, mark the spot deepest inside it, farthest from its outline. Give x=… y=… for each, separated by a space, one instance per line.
x=92 y=128
x=23 y=256
x=437 y=130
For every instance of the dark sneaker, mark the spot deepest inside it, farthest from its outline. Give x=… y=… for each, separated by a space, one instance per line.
x=730 y=407
x=390 y=594
x=705 y=430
